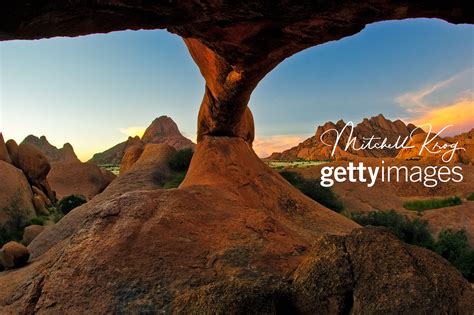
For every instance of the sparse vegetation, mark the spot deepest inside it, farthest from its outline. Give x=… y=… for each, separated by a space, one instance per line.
x=114 y=168
x=12 y=230
x=174 y=180
x=470 y=196
x=313 y=189
x=277 y=164
x=38 y=220
x=421 y=205
x=180 y=161
x=413 y=232
x=70 y=202
x=178 y=164
x=452 y=245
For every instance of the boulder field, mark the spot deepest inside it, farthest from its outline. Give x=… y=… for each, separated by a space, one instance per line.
x=234 y=237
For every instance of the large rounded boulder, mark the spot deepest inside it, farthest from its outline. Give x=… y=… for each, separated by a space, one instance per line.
x=33 y=163
x=16 y=206
x=77 y=178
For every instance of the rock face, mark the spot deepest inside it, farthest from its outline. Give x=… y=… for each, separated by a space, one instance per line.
x=12 y=148
x=162 y=130
x=132 y=154
x=33 y=163
x=433 y=155
x=115 y=154
x=350 y=274
x=53 y=154
x=4 y=156
x=378 y=126
x=16 y=207
x=466 y=141
x=31 y=232
x=77 y=178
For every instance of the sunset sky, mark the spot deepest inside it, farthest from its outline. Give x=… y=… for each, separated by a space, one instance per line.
x=94 y=91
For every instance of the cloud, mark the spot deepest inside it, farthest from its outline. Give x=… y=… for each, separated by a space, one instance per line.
x=416 y=101
x=133 y=131
x=264 y=146
x=443 y=103
x=459 y=114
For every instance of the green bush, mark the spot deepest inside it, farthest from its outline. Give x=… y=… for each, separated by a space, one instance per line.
x=174 y=180
x=454 y=246
x=470 y=196
x=38 y=221
x=180 y=161
x=70 y=202
x=314 y=190
x=413 y=232
x=420 y=205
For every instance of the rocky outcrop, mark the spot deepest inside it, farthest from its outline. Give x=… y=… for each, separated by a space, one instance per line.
x=13 y=255
x=4 y=156
x=36 y=167
x=16 y=206
x=33 y=163
x=115 y=154
x=53 y=154
x=466 y=141
x=351 y=274
x=31 y=232
x=162 y=130
x=77 y=178
x=438 y=150
x=132 y=154
x=12 y=148
x=320 y=146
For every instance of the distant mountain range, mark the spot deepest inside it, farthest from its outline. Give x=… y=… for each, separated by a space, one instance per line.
x=66 y=153
x=314 y=149
x=162 y=130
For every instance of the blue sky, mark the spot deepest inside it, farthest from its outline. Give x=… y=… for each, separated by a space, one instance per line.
x=91 y=91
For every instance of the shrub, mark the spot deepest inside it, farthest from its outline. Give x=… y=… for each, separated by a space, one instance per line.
x=70 y=202
x=314 y=190
x=180 y=161
x=413 y=232
x=174 y=180
x=421 y=205
x=38 y=220
x=454 y=246
x=470 y=196
x=12 y=229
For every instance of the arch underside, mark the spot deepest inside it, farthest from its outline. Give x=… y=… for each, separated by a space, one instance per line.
x=234 y=44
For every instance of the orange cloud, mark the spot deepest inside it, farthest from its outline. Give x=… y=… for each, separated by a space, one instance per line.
x=459 y=114
x=264 y=146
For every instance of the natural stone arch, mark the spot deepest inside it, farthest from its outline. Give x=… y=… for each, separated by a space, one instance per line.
x=139 y=249
x=234 y=44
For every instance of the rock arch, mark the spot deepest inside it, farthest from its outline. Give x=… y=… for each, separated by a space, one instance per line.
x=234 y=44
x=236 y=236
